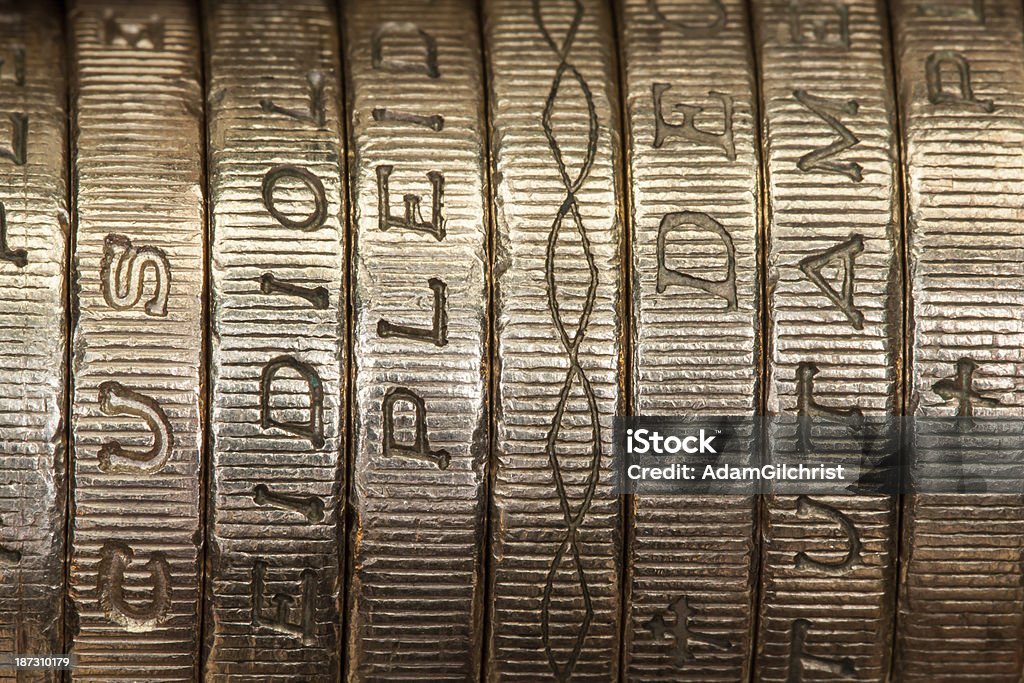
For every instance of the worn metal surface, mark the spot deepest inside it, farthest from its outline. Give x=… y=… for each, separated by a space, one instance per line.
x=960 y=70
x=278 y=286
x=834 y=317
x=556 y=537
x=692 y=147
x=419 y=340
x=137 y=340
x=33 y=299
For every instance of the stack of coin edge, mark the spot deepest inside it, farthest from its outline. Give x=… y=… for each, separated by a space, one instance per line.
x=316 y=318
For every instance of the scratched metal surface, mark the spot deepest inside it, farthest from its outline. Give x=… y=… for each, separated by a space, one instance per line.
x=138 y=269
x=555 y=569
x=33 y=298
x=960 y=68
x=419 y=328
x=834 y=312
x=692 y=147
x=278 y=287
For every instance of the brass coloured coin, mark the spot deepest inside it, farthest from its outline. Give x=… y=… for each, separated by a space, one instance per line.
x=960 y=69
x=34 y=231
x=419 y=273
x=834 y=334
x=278 y=287
x=137 y=345
x=692 y=146
x=556 y=525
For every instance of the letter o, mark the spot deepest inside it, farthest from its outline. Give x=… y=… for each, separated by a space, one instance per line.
x=311 y=222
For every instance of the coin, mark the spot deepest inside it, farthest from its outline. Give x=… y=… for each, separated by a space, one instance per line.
x=33 y=298
x=277 y=380
x=419 y=339
x=556 y=535
x=834 y=312
x=960 y=68
x=137 y=343
x=694 y=216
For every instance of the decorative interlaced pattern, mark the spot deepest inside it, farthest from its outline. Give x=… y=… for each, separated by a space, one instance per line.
x=569 y=212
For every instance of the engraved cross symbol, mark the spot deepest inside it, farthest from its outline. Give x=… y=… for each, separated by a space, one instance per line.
x=961 y=389
x=678 y=631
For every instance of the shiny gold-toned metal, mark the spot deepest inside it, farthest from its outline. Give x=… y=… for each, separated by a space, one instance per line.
x=960 y=70
x=834 y=323
x=692 y=147
x=33 y=332
x=137 y=345
x=556 y=544
x=278 y=285
x=419 y=339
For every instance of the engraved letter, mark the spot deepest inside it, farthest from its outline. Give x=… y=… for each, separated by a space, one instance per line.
x=805 y=507
x=799 y=661
x=319 y=214
x=828 y=111
x=310 y=507
x=937 y=94
x=18 y=149
x=844 y=254
x=18 y=54
x=312 y=428
x=808 y=407
x=123 y=275
x=822 y=24
x=726 y=287
x=316 y=111
x=974 y=11
x=117 y=399
x=148 y=35
x=401 y=32
x=709 y=29
x=318 y=296
x=437 y=333
x=19 y=257
x=280 y=607
x=420 y=447
x=688 y=128
x=115 y=557
x=7 y=555
x=434 y=123
x=413 y=218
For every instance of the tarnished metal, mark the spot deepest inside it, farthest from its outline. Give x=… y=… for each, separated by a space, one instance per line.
x=278 y=286
x=834 y=324
x=419 y=339
x=33 y=299
x=692 y=148
x=960 y=70
x=137 y=342
x=556 y=536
